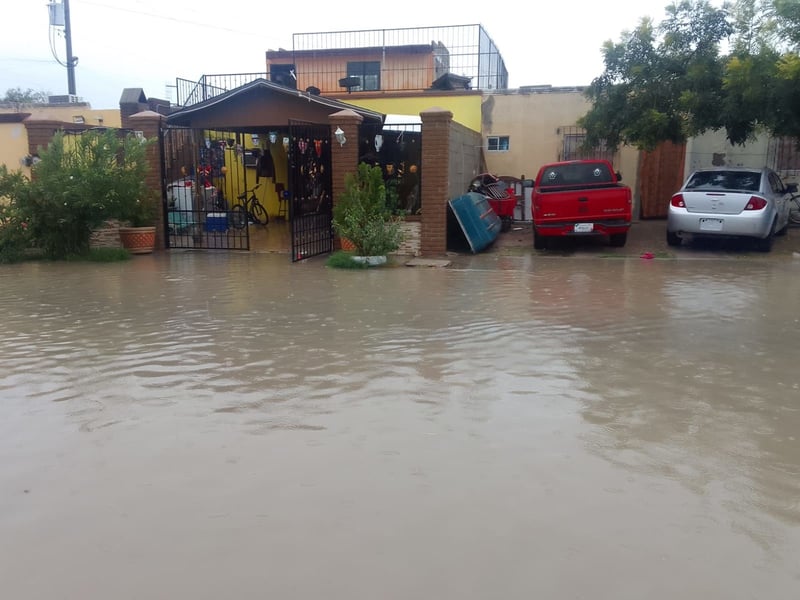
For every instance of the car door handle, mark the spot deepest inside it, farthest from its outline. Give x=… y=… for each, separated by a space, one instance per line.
x=583 y=199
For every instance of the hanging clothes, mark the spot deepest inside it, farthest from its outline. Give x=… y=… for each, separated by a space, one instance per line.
x=265 y=166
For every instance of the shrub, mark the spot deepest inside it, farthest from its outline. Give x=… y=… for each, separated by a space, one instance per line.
x=361 y=215
x=14 y=233
x=80 y=181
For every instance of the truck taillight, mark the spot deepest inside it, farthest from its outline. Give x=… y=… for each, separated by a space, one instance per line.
x=755 y=203
x=677 y=201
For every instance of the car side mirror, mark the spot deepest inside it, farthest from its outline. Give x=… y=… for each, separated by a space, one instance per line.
x=619 y=176
x=791 y=188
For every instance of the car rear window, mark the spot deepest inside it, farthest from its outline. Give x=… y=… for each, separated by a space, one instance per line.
x=577 y=174
x=744 y=181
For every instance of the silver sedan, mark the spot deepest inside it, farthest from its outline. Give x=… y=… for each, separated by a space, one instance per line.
x=730 y=202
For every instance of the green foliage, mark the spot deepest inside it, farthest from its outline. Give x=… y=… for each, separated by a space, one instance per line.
x=344 y=260
x=14 y=233
x=28 y=96
x=362 y=216
x=79 y=182
x=670 y=82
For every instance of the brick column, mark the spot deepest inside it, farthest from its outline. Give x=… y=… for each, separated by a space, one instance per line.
x=344 y=158
x=149 y=123
x=435 y=183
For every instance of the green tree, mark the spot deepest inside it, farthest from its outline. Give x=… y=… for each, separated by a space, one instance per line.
x=660 y=83
x=28 y=96
x=671 y=82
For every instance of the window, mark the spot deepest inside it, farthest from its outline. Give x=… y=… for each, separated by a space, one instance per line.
x=497 y=143
x=572 y=146
x=368 y=73
x=283 y=74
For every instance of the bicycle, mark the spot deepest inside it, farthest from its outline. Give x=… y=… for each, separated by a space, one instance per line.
x=794 y=209
x=249 y=208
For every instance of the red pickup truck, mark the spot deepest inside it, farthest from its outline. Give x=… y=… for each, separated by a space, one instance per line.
x=580 y=198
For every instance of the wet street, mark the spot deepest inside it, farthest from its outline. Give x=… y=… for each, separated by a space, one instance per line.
x=515 y=426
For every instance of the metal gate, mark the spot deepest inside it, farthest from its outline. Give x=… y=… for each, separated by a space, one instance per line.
x=310 y=190
x=198 y=165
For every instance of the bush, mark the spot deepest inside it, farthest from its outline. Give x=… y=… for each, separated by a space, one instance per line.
x=79 y=182
x=344 y=260
x=15 y=237
x=361 y=215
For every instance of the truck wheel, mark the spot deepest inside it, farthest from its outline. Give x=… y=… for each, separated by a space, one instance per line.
x=617 y=240
x=539 y=242
x=673 y=239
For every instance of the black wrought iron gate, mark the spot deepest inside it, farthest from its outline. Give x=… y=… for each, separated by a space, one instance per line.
x=310 y=190
x=196 y=165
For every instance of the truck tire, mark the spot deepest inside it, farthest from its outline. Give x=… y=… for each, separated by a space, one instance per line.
x=539 y=242
x=617 y=240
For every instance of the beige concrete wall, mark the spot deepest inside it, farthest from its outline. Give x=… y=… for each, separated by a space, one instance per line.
x=535 y=122
x=712 y=149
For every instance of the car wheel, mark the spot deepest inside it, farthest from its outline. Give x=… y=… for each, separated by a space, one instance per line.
x=617 y=240
x=673 y=239
x=765 y=244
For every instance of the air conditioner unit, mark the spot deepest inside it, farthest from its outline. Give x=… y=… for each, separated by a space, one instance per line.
x=64 y=99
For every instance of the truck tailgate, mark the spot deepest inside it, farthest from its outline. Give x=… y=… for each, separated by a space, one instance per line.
x=598 y=204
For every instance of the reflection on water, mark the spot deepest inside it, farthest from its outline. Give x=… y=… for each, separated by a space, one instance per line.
x=237 y=426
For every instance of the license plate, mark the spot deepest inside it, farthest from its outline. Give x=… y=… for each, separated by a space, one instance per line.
x=710 y=224
x=583 y=227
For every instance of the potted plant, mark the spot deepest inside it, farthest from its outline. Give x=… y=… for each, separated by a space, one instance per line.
x=138 y=235
x=362 y=216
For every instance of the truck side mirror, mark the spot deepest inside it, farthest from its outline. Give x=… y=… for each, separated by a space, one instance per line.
x=619 y=176
x=791 y=188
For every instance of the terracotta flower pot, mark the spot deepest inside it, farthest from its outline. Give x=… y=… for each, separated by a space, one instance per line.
x=138 y=240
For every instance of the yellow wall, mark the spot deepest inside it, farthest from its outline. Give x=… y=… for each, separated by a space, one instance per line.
x=14 y=136
x=13 y=146
x=466 y=108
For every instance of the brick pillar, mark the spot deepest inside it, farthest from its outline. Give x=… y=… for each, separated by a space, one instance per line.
x=344 y=158
x=435 y=184
x=149 y=123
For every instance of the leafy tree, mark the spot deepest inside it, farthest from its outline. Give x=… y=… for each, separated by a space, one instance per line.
x=660 y=83
x=28 y=96
x=671 y=82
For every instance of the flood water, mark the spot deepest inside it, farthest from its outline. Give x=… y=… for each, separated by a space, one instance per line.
x=213 y=426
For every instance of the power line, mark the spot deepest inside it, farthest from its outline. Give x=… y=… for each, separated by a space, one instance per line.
x=214 y=26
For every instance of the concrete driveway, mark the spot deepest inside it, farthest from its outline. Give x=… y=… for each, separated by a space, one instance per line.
x=647 y=236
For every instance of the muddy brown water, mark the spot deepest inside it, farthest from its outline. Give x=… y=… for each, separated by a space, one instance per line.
x=515 y=426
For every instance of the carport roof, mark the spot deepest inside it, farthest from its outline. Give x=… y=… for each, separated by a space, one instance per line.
x=262 y=87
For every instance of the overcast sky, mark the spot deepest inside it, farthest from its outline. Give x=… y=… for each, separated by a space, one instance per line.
x=147 y=43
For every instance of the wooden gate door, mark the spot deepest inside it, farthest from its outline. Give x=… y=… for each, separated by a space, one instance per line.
x=660 y=176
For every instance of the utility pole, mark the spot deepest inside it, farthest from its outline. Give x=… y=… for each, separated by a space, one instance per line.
x=71 y=60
